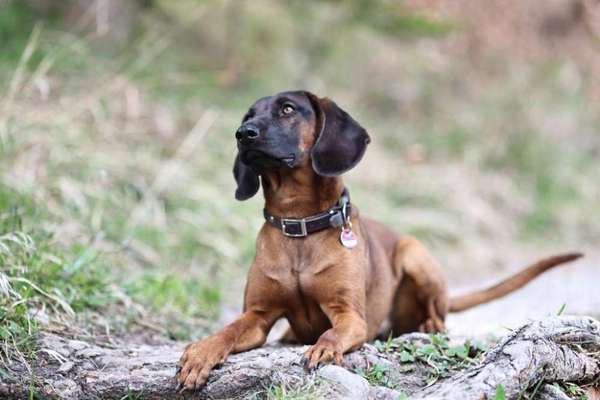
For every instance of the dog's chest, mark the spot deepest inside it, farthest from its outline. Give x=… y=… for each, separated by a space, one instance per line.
x=300 y=267
x=302 y=306
x=295 y=268
x=294 y=255
x=294 y=272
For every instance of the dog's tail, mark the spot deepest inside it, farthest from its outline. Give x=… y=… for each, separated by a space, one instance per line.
x=510 y=284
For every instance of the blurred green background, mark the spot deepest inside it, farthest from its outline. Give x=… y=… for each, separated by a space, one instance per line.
x=117 y=214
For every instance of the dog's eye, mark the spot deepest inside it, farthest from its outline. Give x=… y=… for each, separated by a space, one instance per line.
x=287 y=109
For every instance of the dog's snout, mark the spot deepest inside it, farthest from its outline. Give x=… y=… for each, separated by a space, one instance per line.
x=247 y=133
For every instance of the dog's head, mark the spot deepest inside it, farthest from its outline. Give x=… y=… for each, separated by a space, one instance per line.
x=295 y=129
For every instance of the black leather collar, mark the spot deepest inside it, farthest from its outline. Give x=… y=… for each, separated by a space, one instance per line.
x=335 y=217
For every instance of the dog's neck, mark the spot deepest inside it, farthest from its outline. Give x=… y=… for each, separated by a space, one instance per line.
x=299 y=192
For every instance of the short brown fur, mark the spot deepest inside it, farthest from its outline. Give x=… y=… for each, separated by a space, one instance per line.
x=334 y=298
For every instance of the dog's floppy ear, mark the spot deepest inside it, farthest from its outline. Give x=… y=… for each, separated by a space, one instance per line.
x=247 y=180
x=341 y=141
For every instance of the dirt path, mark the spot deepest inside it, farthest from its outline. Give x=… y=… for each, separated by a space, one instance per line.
x=576 y=286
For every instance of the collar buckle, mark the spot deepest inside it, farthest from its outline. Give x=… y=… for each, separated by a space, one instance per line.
x=294 y=227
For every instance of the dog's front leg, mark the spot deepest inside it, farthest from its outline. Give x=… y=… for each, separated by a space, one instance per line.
x=348 y=332
x=249 y=331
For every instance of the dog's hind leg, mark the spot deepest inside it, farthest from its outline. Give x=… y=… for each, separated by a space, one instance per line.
x=421 y=300
x=289 y=337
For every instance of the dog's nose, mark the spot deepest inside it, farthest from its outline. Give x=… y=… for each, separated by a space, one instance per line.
x=246 y=133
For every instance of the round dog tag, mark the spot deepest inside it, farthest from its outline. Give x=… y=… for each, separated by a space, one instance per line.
x=348 y=238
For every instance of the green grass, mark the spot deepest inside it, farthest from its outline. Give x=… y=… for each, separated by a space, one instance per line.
x=376 y=375
x=500 y=393
x=394 y=20
x=305 y=391
x=573 y=390
x=17 y=20
x=440 y=357
x=178 y=298
x=115 y=209
x=38 y=277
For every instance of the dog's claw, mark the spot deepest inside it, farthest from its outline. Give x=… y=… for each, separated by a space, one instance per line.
x=178 y=387
x=306 y=363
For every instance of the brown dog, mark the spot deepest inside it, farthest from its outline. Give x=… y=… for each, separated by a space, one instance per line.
x=337 y=292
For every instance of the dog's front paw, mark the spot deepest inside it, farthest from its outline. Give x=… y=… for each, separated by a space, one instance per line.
x=324 y=351
x=432 y=325
x=198 y=359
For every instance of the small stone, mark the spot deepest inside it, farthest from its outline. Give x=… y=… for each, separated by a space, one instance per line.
x=383 y=393
x=66 y=367
x=353 y=386
x=77 y=344
x=66 y=389
x=89 y=353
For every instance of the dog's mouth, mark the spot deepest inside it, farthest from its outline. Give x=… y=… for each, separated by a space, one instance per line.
x=263 y=159
x=289 y=160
